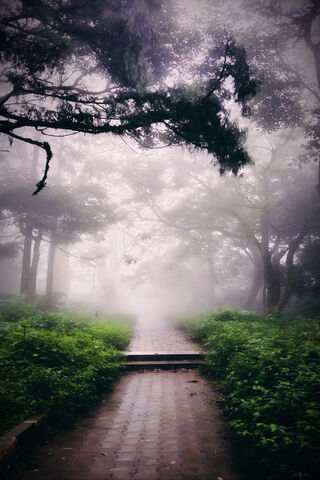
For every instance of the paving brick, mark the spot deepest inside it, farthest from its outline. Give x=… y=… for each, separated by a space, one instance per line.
x=148 y=461
x=170 y=472
x=121 y=472
x=154 y=426
x=145 y=476
x=149 y=444
x=127 y=449
x=125 y=456
x=149 y=451
x=146 y=472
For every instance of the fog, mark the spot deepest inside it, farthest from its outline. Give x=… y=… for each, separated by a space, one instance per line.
x=144 y=223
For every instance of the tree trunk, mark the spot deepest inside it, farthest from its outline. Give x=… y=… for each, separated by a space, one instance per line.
x=61 y=272
x=48 y=301
x=26 y=259
x=279 y=287
x=286 y=286
x=264 y=297
x=272 y=285
x=286 y=289
x=313 y=47
x=257 y=283
x=32 y=286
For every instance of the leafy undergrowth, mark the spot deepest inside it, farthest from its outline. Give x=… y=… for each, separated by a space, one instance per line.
x=268 y=370
x=55 y=362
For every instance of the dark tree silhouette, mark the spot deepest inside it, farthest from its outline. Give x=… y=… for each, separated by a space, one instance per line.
x=103 y=67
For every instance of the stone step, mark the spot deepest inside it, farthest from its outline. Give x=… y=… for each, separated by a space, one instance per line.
x=162 y=356
x=162 y=364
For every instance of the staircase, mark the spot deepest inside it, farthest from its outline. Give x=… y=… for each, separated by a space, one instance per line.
x=162 y=360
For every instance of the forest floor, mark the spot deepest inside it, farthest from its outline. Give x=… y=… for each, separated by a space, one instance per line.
x=155 y=425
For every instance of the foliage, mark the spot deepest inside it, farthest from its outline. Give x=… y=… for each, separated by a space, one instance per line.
x=71 y=211
x=131 y=50
x=280 y=39
x=267 y=368
x=55 y=362
x=257 y=225
x=307 y=278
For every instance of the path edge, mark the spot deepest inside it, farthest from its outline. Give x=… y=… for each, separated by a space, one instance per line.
x=20 y=439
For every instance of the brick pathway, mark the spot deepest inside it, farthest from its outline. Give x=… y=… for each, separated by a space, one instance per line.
x=155 y=425
x=159 y=336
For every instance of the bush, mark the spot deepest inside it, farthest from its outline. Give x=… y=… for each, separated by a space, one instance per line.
x=55 y=362
x=268 y=369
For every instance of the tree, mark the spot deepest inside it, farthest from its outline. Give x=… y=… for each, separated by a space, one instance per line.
x=306 y=282
x=52 y=54
x=281 y=40
x=18 y=211
x=162 y=215
x=274 y=213
x=261 y=222
x=71 y=213
x=66 y=212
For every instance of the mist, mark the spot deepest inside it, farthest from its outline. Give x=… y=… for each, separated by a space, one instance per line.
x=160 y=219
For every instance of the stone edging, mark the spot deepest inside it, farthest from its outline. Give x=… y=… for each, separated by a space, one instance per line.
x=19 y=439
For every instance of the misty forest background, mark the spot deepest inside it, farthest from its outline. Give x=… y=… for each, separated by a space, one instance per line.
x=234 y=84
x=174 y=88
x=161 y=158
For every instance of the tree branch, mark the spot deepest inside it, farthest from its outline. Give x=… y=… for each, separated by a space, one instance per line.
x=46 y=147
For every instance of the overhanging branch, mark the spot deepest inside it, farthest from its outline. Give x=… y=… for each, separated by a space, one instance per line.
x=46 y=147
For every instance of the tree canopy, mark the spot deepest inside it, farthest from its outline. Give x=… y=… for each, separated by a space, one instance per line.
x=112 y=67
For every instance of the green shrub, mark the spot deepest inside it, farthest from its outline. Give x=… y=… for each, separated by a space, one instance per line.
x=268 y=369
x=55 y=362
x=15 y=310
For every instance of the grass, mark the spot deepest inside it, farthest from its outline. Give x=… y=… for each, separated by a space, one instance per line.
x=55 y=362
x=268 y=370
